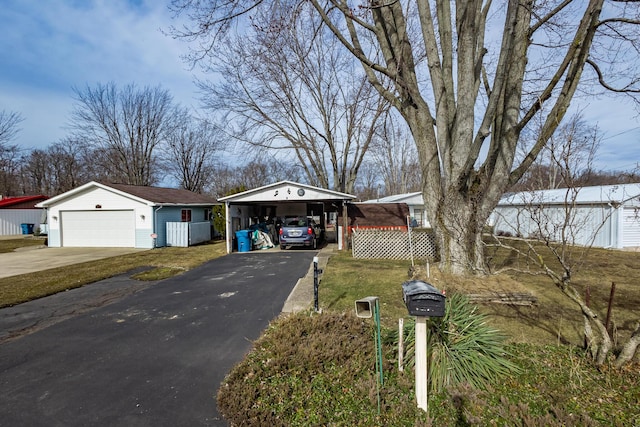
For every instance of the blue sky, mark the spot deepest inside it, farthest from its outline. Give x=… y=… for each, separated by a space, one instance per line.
x=47 y=47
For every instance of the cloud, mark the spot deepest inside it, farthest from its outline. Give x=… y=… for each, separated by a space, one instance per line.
x=48 y=48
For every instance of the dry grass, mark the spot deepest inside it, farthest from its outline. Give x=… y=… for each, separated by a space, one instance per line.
x=162 y=263
x=554 y=319
x=10 y=245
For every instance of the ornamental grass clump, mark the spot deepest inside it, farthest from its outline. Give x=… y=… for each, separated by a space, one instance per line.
x=461 y=347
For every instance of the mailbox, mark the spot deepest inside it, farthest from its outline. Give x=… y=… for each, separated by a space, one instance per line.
x=366 y=306
x=422 y=299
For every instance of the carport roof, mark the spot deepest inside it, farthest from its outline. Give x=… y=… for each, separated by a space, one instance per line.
x=153 y=196
x=286 y=191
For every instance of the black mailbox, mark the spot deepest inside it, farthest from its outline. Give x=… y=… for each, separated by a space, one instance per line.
x=422 y=299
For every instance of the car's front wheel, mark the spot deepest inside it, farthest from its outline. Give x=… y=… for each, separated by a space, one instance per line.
x=283 y=247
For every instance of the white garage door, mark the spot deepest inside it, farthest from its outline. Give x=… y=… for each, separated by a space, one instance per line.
x=98 y=229
x=631 y=227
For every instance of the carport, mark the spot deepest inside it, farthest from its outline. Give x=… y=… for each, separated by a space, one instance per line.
x=267 y=204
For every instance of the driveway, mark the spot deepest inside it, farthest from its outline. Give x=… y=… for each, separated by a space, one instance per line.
x=153 y=358
x=36 y=258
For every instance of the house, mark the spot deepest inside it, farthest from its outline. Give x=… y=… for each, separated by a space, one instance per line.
x=602 y=216
x=268 y=203
x=15 y=211
x=415 y=203
x=117 y=215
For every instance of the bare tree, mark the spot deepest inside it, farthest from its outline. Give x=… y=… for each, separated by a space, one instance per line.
x=60 y=167
x=9 y=122
x=258 y=171
x=126 y=125
x=9 y=153
x=288 y=85
x=559 y=232
x=72 y=161
x=10 y=170
x=191 y=150
x=468 y=78
x=395 y=157
x=36 y=173
x=369 y=184
x=566 y=161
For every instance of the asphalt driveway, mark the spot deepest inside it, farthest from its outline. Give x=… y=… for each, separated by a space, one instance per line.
x=153 y=358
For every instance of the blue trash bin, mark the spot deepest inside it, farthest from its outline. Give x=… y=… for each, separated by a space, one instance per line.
x=244 y=241
x=27 y=228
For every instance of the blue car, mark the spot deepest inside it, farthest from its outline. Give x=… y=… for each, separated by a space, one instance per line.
x=299 y=231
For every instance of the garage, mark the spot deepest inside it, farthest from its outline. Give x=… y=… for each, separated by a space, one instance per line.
x=98 y=228
x=274 y=202
x=110 y=215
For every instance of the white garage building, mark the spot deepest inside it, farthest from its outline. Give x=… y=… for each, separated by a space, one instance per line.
x=603 y=216
x=118 y=215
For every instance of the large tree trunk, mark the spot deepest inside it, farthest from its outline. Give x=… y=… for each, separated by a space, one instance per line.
x=458 y=230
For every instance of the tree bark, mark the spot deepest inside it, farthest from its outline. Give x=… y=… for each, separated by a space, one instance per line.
x=629 y=348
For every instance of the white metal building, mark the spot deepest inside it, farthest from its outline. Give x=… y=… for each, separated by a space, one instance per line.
x=602 y=216
x=116 y=215
x=15 y=211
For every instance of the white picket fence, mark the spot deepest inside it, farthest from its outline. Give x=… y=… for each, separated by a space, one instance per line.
x=185 y=234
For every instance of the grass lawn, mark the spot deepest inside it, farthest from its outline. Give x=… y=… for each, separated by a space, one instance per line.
x=162 y=263
x=552 y=320
x=319 y=369
x=10 y=245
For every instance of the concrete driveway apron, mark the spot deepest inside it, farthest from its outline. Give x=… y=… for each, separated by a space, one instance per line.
x=154 y=358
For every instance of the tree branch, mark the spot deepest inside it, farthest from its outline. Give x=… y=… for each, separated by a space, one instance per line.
x=604 y=84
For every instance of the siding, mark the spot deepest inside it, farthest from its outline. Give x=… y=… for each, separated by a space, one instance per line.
x=11 y=220
x=589 y=225
x=631 y=227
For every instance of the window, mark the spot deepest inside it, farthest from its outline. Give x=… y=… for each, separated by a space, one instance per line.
x=418 y=214
x=186 y=215
x=208 y=215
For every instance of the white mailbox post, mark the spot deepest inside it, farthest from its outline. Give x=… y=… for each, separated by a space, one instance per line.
x=423 y=301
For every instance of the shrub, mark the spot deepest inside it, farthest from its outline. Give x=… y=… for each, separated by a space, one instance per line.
x=462 y=347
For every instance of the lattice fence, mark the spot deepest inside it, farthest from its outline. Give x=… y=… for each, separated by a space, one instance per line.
x=392 y=244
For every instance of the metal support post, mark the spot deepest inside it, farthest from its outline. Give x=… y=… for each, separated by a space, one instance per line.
x=316 y=274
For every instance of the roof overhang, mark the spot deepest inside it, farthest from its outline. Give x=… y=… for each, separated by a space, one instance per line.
x=604 y=194
x=91 y=184
x=286 y=191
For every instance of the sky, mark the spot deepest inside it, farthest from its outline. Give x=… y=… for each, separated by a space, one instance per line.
x=48 y=47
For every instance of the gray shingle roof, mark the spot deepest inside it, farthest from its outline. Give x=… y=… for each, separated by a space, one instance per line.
x=162 y=195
